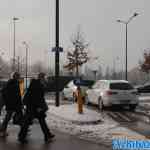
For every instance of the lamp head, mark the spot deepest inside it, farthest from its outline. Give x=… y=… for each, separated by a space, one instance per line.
x=118 y=20
x=135 y=14
x=15 y=18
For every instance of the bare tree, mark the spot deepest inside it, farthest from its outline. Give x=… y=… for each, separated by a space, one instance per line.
x=5 y=69
x=37 y=67
x=145 y=64
x=78 y=54
x=107 y=73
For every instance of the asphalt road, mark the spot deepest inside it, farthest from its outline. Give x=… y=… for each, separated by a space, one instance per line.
x=61 y=142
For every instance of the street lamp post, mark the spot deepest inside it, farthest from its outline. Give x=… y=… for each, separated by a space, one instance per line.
x=95 y=74
x=57 y=53
x=26 y=46
x=57 y=49
x=14 y=53
x=18 y=61
x=126 y=54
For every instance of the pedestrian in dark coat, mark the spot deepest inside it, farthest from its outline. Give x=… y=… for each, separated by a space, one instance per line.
x=1 y=100
x=36 y=107
x=12 y=100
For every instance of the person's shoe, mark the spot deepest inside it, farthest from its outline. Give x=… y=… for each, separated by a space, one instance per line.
x=22 y=140
x=49 y=138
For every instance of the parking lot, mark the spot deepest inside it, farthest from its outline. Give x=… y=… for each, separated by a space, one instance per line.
x=116 y=121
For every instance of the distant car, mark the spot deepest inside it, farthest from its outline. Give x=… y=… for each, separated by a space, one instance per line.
x=144 y=91
x=106 y=93
x=69 y=91
x=143 y=88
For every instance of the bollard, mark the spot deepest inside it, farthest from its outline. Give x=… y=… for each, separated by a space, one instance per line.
x=79 y=100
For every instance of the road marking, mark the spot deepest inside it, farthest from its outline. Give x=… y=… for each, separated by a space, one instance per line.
x=113 y=115
x=123 y=116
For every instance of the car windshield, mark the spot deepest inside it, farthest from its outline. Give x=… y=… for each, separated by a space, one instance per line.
x=121 y=86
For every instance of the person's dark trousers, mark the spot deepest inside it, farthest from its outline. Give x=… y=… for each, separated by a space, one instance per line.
x=25 y=126
x=6 y=120
x=26 y=123
x=1 y=107
x=44 y=127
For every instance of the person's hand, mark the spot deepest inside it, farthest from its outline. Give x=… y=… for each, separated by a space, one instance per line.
x=39 y=110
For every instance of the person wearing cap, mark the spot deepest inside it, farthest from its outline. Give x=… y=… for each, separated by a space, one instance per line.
x=12 y=100
x=36 y=107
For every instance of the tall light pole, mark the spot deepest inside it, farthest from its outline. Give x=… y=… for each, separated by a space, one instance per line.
x=14 y=53
x=57 y=49
x=26 y=46
x=57 y=53
x=18 y=61
x=126 y=54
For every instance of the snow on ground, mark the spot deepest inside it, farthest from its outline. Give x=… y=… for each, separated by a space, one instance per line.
x=64 y=117
x=70 y=113
x=144 y=101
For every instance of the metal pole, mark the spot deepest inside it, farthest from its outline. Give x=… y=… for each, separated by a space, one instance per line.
x=14 y=53
x=57 y=54
x=26 y=65
x=126 y=55
x=13 y=67
x=126 y=73
x=18 y=64
x=26 y=72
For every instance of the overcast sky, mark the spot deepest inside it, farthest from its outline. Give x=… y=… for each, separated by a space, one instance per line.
x=97 y=19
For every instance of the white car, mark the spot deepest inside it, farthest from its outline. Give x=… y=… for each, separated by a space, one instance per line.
x=106 y=93
x=69 y=91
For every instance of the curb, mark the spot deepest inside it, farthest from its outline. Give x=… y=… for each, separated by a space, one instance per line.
x=78 y=122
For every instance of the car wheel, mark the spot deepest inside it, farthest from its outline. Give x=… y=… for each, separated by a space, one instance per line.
x=132 y=107
x=100 y=104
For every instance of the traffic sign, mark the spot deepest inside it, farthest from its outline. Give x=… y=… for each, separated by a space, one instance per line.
x=77 y=81
x=57 y=49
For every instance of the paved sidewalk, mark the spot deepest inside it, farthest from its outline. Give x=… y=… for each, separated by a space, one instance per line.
x=62 y=141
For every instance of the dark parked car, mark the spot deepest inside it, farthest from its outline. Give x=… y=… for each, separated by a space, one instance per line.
x=143 y=88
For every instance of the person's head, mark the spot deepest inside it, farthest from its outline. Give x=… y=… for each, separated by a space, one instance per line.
x=15 y=75
x=41 y=76
x=78 y=87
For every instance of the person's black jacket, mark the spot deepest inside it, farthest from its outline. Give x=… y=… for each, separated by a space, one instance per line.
x=12 y=95
x=34 y=97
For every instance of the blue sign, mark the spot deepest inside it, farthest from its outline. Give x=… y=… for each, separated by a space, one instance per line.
x=82 y=82
x=78 y=82
x=58 y=49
